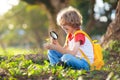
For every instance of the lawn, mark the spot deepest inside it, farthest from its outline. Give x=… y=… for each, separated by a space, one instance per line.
x=22 y=64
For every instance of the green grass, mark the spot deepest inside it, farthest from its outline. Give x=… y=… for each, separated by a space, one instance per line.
x=20 y=68
x=16 y=51
x=22 y=64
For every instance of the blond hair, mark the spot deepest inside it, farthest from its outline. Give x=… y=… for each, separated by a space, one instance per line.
x=69 y=16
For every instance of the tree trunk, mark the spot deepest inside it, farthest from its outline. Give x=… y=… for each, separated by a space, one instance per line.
x=113 y=30
x=52 y=7
x=58 y=5
x=91 y=22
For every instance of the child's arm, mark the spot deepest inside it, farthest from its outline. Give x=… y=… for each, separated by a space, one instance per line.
x=64 y=50
x=65 y=46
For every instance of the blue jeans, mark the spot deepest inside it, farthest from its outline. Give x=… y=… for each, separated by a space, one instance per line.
x=71 y=61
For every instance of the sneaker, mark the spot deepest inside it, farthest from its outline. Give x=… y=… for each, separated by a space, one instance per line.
x=61 y=63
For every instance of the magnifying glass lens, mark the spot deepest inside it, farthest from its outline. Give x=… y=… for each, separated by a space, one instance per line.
x=54 y=35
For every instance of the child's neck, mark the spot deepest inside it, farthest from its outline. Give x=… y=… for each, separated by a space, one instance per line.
x=74 y=31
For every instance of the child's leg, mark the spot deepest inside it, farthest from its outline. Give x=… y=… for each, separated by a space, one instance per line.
x=74 y=62
x=54 y=56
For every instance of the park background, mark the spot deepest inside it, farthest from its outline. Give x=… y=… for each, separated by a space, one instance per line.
x=25 y=27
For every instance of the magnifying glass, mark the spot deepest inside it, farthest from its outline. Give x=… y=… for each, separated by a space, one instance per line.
x=54 y=35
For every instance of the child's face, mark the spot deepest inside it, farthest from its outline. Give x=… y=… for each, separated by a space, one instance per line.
x=68 y=29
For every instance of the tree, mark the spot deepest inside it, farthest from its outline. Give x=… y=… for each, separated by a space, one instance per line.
x=24 y=26
x=113 y=30
x=51 y=7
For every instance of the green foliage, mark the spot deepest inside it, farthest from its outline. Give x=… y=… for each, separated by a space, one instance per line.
x=83 y=6
x=15 y=51
x=30 y=1
x=22 y=67
x=112 y=51
x=115 y=46
x=18 y=67
x=111 y=58
x=106 y=55
x=20 y=21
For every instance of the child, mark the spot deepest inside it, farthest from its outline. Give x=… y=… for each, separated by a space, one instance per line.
x=70 y=21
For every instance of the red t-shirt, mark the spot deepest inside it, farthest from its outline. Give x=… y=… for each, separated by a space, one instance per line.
x=78 y=37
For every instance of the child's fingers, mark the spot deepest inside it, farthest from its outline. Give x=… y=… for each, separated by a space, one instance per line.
x=46 y=45
x=54 y=41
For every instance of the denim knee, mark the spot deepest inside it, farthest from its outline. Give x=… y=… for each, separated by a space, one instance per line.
x=51 y=52
x=54 y=53
x=66 y=57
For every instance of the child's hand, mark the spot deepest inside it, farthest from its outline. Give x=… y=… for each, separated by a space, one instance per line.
x=49 y=46
x=46 y=45
x=53 y=44
x=54 y=41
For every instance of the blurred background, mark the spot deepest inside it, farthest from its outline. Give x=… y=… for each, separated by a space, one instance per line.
x=26 y=24
x=25 y=27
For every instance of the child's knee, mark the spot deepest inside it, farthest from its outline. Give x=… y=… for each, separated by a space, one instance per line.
x=50 y=51
x=66 y=57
